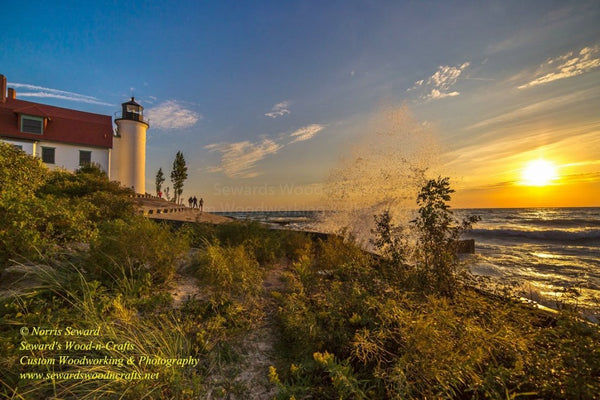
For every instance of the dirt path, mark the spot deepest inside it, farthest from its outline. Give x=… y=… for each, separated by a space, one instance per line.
x=185 y=289
x=260 y=341
x=248 y=377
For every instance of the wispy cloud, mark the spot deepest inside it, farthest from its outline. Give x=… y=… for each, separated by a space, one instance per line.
x=566 y=66
x=238 y=159
x=438 y=94
x=417 y=85
x=306 y=132
x=523 y=113
x=440 y=84
x=43 y=92
x=506 y=146
x=279 y=109
x=172 y=115
x=589 y=177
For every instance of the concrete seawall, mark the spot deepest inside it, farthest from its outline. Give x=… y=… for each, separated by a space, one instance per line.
x=157 y=208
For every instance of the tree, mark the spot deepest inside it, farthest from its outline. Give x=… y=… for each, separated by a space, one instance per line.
x=438 y=233
x=178 y=176
x=392 y=243
x=428 y=259
x=160 y=178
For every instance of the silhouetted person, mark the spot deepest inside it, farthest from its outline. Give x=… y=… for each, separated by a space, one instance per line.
x=195 y=201
x=190 y=201
x=201 y=202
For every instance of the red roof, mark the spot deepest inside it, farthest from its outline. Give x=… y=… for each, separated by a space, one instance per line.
x=62 y=124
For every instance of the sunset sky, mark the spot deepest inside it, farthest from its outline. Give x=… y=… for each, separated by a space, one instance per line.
x=265 y=99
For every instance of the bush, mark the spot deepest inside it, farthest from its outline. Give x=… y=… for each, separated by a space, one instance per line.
x=267 y=245
x=20 y=176
x=229 y=270
x=429 y=262
x=90 y=191
x=86 y=180
x=136 y=248
x=438 y=233
x=43 y=212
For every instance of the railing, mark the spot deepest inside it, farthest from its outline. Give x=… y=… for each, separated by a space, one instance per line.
x=131 y=116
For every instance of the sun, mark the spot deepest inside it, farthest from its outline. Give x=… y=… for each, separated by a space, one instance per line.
x=539 y=173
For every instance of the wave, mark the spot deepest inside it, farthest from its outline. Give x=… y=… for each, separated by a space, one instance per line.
x=564 y=222
x=543 y=235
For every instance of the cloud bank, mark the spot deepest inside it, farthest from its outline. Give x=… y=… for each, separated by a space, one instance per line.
x=172 y=115
x=566 y=66
x=43 y=92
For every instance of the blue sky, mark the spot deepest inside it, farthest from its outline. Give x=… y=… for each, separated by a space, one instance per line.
x=265 y=98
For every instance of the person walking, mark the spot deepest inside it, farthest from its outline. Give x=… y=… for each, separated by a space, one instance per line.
x=201 y=202
x=195 y=201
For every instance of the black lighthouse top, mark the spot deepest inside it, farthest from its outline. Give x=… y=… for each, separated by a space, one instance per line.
x=132 y=111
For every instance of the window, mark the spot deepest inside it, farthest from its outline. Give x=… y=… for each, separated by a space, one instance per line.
x=17 y=146
x=48 y=155
x=31 y=124
x=85 y=158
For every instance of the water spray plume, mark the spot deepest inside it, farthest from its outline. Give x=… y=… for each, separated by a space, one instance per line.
x=384 y=171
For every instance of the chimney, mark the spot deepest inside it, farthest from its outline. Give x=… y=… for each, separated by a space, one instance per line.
x=3 y=88
x=12 y=94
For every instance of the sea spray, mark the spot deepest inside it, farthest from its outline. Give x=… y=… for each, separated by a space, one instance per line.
x=384 y=171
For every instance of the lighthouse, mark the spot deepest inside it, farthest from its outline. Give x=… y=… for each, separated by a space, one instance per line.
x=128 y=158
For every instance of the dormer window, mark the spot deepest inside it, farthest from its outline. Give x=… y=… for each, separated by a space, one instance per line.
x=31 y=124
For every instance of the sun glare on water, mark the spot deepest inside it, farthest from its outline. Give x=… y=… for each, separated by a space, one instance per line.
x=539 y=173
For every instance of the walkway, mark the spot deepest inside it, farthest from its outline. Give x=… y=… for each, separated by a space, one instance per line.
x=157 y=208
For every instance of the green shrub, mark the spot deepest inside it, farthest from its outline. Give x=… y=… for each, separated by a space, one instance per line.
x=136 y=248
x=35 y=229
x=20 y=174
x=262 y=242
x=86 y=180
x=229 y=270
x=43 y=212
x=429 y=262
x=438 y=233
x=341 y=258
x=89 y=190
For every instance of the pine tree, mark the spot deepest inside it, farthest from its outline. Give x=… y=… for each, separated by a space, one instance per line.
x=160 y=178
x=178 y=176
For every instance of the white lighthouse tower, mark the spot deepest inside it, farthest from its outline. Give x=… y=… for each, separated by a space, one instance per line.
x=128 y=159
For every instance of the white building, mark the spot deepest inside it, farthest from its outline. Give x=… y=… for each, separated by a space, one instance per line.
x=128 y=164
x=65 y=138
